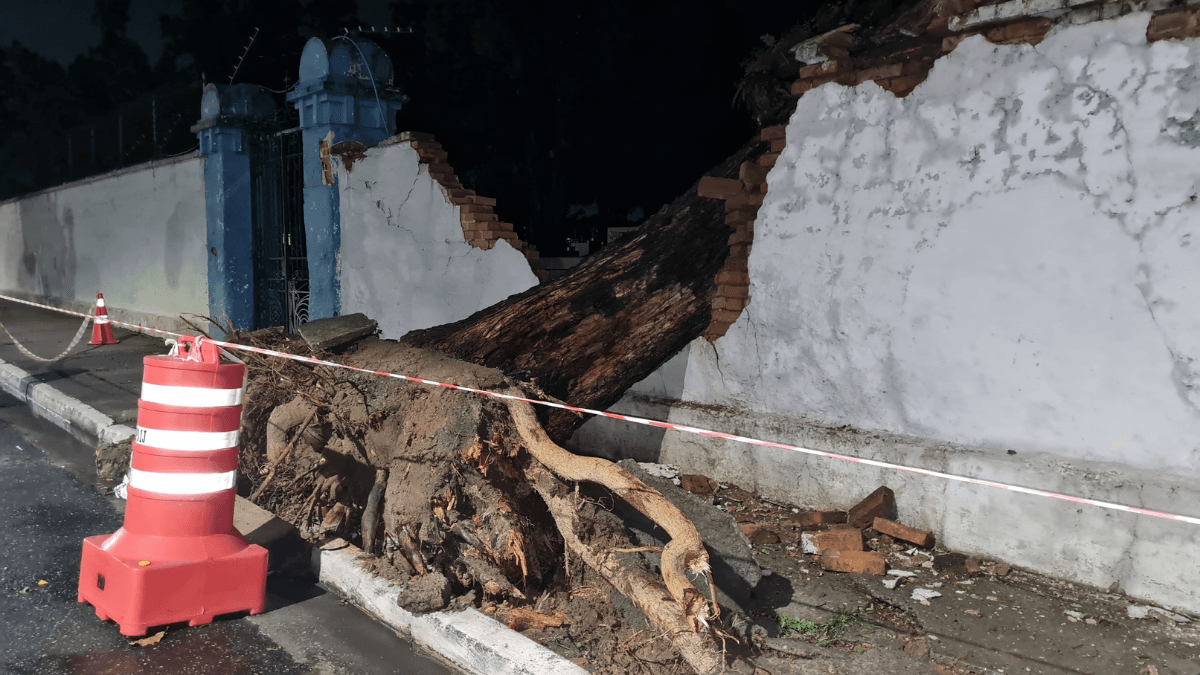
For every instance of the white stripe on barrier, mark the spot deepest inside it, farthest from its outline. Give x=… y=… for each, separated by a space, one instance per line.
x=101 y=319
x=182 y=483
x=186 y=440
x=192 y=397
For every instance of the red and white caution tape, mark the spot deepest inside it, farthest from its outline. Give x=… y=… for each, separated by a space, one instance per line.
x=686 y=429
x=74 y=341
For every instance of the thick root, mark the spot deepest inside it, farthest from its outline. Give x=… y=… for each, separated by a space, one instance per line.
x=647 y=593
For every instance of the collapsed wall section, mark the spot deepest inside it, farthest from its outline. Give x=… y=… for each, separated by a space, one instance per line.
x=419 y=249
x=983 y=272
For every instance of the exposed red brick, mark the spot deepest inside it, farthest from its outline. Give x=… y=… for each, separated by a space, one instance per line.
x=733 y=304
x=736 y=202
x=769 y=133
x=855 y=562
x=740 y=216
x=481 y=201
x=736 y=264
x=474 y=208
x=819 y=69
x=815 y=518
x=838 y=540
x=725 y=315
x=741 y=236
x=739 y=251
x=768 y=160
x=881 y=72
x=719 y=188
x=733 y=278
x=912 y=535
x=778 y=145
x=902 y=86
x=1173 y=24
x=734 y=291
x=752 y=175
x=1029 y=31
x=880 y=503
x=479 y=217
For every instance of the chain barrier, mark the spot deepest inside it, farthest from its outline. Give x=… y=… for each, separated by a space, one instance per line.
x=667 y=425
x=74 y=341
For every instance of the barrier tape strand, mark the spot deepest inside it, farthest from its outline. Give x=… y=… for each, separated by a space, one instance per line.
x=74 y=341
x=670 y=426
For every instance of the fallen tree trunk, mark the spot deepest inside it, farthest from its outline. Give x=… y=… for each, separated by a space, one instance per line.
x=473 y=487
x=613 y=320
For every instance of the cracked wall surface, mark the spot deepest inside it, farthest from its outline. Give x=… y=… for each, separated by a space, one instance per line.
x=1001 y=259
x=405 y=261
x=994 y=276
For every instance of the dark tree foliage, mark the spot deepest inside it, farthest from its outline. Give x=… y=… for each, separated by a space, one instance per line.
x=619 y=104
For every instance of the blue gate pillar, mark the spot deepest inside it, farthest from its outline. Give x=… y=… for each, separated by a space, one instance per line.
x=344 y=93
x=227 y=114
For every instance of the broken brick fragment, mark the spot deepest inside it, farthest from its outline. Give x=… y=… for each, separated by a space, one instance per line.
x=816 y=518
x=921 y=538
x=854 y=562
x=879 y=504
x=719 y=188
x=697 y=484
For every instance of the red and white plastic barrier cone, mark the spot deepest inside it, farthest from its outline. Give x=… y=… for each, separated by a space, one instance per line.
x=178 y=556
x=101 y=330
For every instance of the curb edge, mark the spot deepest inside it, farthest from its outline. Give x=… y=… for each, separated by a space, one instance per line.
x=469 y=639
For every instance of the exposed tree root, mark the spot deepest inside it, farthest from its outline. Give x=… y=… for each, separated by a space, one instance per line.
x=646 y=592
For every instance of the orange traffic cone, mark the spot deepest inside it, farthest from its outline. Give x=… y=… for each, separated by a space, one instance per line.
x=101 y=331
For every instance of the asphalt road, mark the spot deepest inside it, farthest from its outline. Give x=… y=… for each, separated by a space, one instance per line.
x=48 y=504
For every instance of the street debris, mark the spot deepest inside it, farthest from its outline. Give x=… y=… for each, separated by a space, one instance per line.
x=527 y=619
x=150 y=640
x=924 y=594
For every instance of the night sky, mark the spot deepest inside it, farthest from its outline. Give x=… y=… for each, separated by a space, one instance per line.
x=575 y=116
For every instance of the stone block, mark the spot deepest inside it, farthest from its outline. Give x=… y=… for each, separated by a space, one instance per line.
x=325 y=334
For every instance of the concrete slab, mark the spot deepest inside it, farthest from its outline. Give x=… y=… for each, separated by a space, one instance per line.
x=326 y=334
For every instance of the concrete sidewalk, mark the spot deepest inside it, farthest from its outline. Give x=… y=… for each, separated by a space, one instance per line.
x=93 y=394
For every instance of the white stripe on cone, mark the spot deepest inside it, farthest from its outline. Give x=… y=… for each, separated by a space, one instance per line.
x=182 y=483
x=99 y=302
x=192 y=397
x=187 y=440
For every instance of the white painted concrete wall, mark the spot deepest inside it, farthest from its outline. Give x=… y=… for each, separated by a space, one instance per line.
x=404 y=260
x=137 y=235
x=997 y=276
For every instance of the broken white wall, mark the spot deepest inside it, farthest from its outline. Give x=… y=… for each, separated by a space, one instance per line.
x=137 y=235
x=404 y=260
x=997 y=276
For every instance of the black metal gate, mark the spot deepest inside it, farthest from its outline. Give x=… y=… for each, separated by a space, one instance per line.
x=280 y=256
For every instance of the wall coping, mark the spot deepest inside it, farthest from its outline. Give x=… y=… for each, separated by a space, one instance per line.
x=152 y=164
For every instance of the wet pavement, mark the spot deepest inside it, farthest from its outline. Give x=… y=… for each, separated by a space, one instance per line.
x=48 y=504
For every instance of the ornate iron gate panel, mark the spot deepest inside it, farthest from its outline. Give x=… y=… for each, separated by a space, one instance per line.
x=281 y=256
